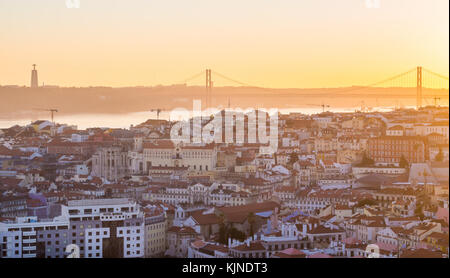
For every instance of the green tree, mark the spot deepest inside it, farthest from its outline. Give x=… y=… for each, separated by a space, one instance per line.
x=251 y=220
x=403 y=162
x=440 y=156
x=236 y=234
x=293 y=158
x=366 y=160
x=222 y=230
x=363 y=202
x=419 y=211
x=209 y=230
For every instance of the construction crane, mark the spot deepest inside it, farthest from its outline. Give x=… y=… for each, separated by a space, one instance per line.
x=436 y=101
x=158 y=111
x=52 y=111
x=322 y=105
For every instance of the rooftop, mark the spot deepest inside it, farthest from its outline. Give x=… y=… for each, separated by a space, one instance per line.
x=99 y=202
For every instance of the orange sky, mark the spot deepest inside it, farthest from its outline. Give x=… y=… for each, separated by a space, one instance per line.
x=283 y=43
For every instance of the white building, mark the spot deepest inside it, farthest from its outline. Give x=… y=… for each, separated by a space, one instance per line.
x=106 y=227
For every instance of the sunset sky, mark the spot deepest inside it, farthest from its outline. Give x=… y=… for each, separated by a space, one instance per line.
x=271 y=43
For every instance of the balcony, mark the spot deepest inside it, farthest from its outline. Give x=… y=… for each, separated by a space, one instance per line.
x=31 y=240
x=29 y=248
x=32 y=233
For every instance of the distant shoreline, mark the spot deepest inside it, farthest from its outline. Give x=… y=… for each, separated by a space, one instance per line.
x=23 y=102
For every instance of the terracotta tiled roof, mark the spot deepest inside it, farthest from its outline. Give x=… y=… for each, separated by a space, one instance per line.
x=320 y=256
x=252 y=246
x=205 y=219
x=290 y=253
x=159 y=144
x=324 y=230
x=216 y=247
x=182 y=230
x=238 y=214
x=421 y=253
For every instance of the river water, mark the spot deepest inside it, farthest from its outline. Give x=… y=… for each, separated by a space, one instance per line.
x=83 y=121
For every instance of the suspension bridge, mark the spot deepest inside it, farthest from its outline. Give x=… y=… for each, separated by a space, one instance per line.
x=420 y=79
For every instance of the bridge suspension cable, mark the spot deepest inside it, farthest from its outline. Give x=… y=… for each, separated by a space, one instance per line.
x=434 y=80
x=419 y=78
x=384 y=81
x=192 y=77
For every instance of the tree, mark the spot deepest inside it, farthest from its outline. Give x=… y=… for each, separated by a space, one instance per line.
x=419 y=211
x=222 y=230
x=209 y=230
x=366 y=160
x=236 y=234
x=251 y=220
x=222 y=235
x=365 y=202
x=293 y=158
x=440 y=156
x=404 y=163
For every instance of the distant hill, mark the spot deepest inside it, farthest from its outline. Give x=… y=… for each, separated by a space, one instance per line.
x=21 y=101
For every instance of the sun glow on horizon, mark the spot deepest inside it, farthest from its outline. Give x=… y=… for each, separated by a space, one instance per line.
x=277 y=44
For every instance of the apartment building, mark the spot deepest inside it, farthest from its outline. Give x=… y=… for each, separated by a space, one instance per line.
x=106 y=228
x=217 y=194
x=13 y=206
x=155 y=232
x=390 y=149
x=26 y=237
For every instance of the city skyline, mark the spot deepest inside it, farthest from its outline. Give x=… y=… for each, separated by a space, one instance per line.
x=232 y=130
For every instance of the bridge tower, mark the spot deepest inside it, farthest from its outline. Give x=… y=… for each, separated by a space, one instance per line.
x=419 y=87
x=208 y=87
